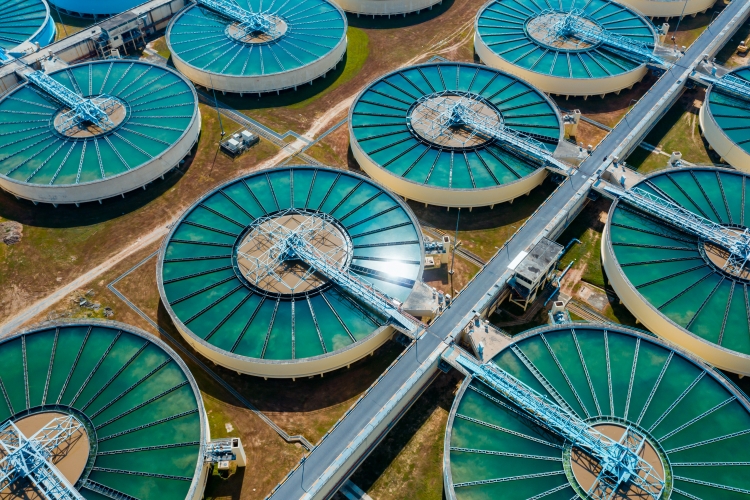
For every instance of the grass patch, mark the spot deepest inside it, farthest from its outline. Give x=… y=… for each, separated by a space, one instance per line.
x=728 y=56
x=357 y=51
x=264 y=107
x=691 y=27
x=59 y=244
x=440 y=278
x=408 y=462
x=587 y=254
x=575 y=317
x=311 y=406
x=588 y=227
x=483 y=230
x=160 y=46
x=678 y=130
x=67 y=25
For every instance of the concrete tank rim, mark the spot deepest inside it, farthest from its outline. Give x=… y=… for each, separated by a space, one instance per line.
x=658 y=2
x=260 y=361
x=719 y=377
x=196 y=482
x=478 y=37
x=190 y=6
x=48 y=19
x=196 y=115
x=710 y=115
x=355 y=143
x=608 y=242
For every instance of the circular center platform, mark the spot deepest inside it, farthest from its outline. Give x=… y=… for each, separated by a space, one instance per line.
x=274 y=27
x=544 y=29
x=115 y=110
x=718 y=257
x=586 y=470
x=69 y=457
x=272 y=255
x=454 y=120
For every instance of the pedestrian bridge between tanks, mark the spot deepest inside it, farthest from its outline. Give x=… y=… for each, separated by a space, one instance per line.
x=321 y=473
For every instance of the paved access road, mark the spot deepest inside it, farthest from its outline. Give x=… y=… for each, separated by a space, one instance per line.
x=298 y=484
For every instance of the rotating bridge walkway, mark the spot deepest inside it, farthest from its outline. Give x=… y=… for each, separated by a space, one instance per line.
x=338 y=454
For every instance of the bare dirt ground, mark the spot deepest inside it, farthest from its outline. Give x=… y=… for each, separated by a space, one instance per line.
x=440 y=278
x=27 y=288
x=678 y=130
x=307 y=406
x=271 y=457
x=390 y=43
x=484 y=230
x=408 y=463
x=63 y=248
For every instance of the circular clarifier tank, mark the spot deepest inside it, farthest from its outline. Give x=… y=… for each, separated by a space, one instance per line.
x=303 y=40
x=669 y=8
x=693 y=424
x=154 y=122
x=724 y=121
x=142 y=423
x=396 y=134
x=518 y=36
x=25 y=21
x=675 y=283
x=93 y=8
x=236 y=293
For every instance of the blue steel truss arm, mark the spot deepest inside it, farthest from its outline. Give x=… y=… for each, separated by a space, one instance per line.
x=299 y=243
x=728 y=84
x=248 y=22
x=620 y=460
x=351 y=283
x=30 y=458
x=735 y=242
x=574 y=26
x=81 y=110
x=449 y=110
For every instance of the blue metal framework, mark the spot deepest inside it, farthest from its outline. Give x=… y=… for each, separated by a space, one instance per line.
x=734 y=241
x=729 y=84
x=81 y=110
x=449 y=111
x=31 y=458
x=298 y=243
x=620 y=461
x=572 y=27
x=248 y=23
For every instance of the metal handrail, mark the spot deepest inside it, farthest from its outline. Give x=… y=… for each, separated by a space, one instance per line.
x=248 y=22
x=573 y=25
x=94 y=110
x=734 y=241
x=450 y=110
x=619 y=460
x=30 y=458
